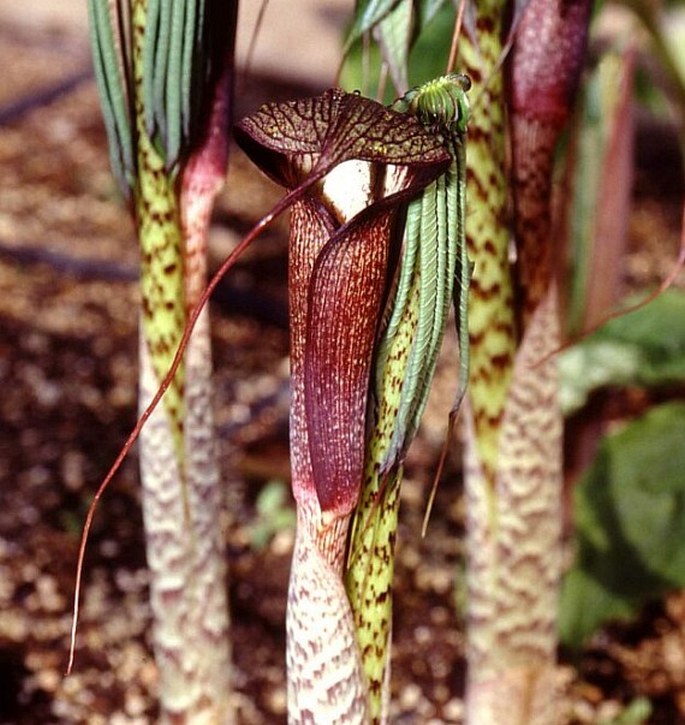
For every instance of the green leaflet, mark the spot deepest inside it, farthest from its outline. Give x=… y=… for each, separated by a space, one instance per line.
x=175 y=70
x=434 y=256
x=110 y=75
x=174 y=76
x=435 y=227
x=173 y=34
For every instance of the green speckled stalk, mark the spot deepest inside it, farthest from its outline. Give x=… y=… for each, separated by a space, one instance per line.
x=182 y=497
x=163 y=75
x=491 y=310
x=372 y=549
x=161 y=245
x=371 y=561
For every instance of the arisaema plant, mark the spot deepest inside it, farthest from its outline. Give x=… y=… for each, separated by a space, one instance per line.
x=164 y=73
x=350 y=166
x=377 y=253
x=344 y=239
x=382 y=241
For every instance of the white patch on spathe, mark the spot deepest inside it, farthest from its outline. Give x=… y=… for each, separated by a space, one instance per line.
x=395 y=179
x=347 y=188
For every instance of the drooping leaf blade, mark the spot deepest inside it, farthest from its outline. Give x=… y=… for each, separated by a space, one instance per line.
x=437 y=220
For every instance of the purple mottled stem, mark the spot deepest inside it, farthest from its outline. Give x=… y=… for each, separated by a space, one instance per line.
x=545 y=67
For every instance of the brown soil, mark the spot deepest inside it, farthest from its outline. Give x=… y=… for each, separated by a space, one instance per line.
x=68 y=310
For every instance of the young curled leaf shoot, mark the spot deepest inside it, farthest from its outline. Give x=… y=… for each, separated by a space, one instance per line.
x=433 y=258
x=442 y=106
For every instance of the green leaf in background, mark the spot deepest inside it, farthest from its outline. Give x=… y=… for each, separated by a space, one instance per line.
x=394 y=34
x=636 y=713
x=431 y=49
x=597 y=208
x=367 y=13
x=644 y=347
x=429 y=43
x=630 y=524
x=274 y=513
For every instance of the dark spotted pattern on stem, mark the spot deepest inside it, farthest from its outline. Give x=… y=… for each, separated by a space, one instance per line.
x=161 y=244
x=545 y=67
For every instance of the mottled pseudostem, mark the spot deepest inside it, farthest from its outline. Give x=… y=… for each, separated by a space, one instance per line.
x=513 y=434
x=181 y=493
x=514 y=570
x=318 y=616
x=325 y=685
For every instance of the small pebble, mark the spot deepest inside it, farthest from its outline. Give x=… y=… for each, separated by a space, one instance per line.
x=422 y=634
x=410 y=697
x=277 y=700
x=134 y=703
x=48 y=679
x=283 y=542
x=454 y=710
x=50 y=600
x=109 y=548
